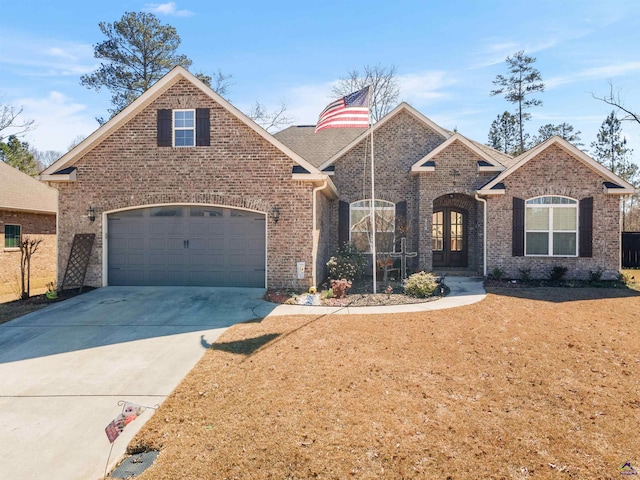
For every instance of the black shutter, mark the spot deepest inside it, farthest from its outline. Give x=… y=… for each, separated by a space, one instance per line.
x=343 y=223
x=517 y=235
x=164 y=128
x=203 y=127
x=401 y=222
x=586 y=227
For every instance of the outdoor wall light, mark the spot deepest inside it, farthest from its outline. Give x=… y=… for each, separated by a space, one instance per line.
x=91 y=214
x=275 y=214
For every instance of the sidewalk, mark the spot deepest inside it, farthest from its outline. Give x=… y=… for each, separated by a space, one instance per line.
x=463 y=291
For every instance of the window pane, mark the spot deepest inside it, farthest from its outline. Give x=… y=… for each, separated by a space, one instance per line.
x=564 y=243
x=184 y=138
x=384 y=242
x=166 y=212
x=564 y=218
x=537 y=243
x=183 y=119
x=537 y=218
x=361 y=241
x=11 y=236
x=205 y=212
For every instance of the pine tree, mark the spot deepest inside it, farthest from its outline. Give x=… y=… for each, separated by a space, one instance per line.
x=503 y=134
x=610 y=148
x=16 y=153
x=523 y=81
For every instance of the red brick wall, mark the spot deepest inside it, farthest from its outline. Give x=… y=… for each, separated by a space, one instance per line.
x=238 y=169
x=43 y=262
x=398 y=144
x=555 y=172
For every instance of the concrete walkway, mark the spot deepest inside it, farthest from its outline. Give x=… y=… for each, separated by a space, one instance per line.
x=463 y=291
x=64 y=368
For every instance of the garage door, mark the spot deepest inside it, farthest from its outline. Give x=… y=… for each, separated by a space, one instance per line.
x=187 y=245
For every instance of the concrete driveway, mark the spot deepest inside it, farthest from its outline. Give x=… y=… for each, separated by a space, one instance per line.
x=63 y=370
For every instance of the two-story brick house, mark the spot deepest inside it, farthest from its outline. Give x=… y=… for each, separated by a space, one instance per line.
x=189 y=191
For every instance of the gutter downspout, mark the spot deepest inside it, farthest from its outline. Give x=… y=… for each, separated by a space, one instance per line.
x=484 y=234
x=315 y=233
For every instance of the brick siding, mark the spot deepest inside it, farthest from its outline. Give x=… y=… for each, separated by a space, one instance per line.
x=555 y=173
x=239 y=169
x=43 y=262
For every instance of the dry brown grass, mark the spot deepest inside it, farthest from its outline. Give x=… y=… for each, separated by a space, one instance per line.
x=529 y=383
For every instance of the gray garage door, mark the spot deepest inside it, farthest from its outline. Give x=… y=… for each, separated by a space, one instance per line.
x=187 y=245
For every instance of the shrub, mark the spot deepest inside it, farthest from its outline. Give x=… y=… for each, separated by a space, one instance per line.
x=326 y=293
x=347 y=263
x=557 y=273
x=595 y=277
x=340 y=287
x=525 y=274
x=420 y=285
x=497 y=273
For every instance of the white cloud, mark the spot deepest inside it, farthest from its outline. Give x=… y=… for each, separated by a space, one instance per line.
x=168 y=8
x=606 y=72
x=58 y=120
x=36 y=56
x=424 y=87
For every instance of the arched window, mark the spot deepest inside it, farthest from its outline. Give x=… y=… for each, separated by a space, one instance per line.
x=360 y=225
x=551 y=226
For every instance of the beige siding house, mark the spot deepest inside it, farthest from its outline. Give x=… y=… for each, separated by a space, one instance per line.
x=189 y=191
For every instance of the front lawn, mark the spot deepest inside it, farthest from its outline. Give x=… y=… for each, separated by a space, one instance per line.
x=529 y=383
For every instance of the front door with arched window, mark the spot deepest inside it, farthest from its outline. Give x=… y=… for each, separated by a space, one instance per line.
x=449 y=238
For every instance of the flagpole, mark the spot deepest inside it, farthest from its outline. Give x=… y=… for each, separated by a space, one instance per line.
x=373 y=203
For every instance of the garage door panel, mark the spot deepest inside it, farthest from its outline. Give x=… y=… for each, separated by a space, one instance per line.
x=187 y=245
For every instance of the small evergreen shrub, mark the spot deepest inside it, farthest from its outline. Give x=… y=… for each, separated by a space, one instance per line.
x=497 y=273
x=595 y=277
x=347 y=263
x=420 y=285
x=525 y=274
x=557 y=273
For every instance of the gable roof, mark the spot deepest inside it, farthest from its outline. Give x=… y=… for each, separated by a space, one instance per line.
x=318 y=147
x=403 y=107
x=144 y=100
x=612 y=183
x=491 y=163
x=20 y=192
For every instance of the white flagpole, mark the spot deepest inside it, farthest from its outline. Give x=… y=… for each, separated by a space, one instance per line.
x=373 y=202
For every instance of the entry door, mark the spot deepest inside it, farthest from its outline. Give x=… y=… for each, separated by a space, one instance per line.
x=449 y=238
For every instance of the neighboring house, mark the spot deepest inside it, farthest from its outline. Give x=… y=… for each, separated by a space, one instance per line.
x=27 y=209
x=189 y=191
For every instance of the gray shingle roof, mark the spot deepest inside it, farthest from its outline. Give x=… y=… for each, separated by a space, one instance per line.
x=317 y=148
x=19 y=191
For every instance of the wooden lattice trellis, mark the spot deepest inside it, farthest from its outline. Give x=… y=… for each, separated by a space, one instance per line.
x=78 y=261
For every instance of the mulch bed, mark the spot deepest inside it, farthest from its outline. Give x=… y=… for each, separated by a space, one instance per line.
x=360 y=295
x=18 y=308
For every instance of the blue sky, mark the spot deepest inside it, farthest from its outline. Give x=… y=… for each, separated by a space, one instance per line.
x=446 y=54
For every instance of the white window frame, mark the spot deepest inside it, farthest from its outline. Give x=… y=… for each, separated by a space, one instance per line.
x=183 y=128
x=365 y=205
x=569 y=202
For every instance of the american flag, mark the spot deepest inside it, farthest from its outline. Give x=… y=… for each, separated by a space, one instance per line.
x=351 y=111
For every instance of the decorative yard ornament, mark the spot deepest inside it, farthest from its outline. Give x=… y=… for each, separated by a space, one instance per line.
x=403 y=255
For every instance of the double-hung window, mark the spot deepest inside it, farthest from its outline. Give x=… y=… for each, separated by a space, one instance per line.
x=551 y=226
x=12 y=234
x=360 y=225
x=184 y=128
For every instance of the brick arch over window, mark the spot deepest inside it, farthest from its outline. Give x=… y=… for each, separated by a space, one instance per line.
x=205 y=198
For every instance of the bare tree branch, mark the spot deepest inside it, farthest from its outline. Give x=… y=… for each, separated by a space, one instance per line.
x=614 y=100
x=9 y=119
x=275 y=119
